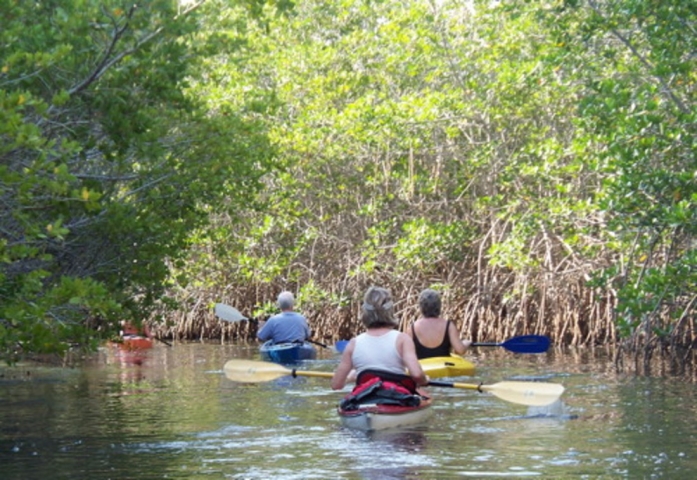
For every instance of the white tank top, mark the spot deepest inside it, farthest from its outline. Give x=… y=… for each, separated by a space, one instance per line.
x=378 y=353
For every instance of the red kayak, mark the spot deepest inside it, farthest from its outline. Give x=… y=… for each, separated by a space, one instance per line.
x=132 y=343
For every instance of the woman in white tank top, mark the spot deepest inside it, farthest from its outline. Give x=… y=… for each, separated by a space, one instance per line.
x=380 y=347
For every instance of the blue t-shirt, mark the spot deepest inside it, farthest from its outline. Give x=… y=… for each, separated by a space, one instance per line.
x=285 y=327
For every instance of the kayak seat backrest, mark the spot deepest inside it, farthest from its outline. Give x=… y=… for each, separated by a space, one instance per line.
x=373 y=389
x=403 y=380
x=361 y=393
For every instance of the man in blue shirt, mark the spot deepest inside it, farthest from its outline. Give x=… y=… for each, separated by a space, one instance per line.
x=287 y=326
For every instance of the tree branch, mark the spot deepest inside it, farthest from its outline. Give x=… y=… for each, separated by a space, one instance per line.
x=107 y=63
x=666 y=88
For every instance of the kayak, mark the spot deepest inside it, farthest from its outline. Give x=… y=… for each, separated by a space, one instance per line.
x=373 y=417
x=291 y=352
x=453 y=366
x=133 y=343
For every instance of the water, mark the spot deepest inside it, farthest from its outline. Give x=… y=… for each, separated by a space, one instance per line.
x=173 y=414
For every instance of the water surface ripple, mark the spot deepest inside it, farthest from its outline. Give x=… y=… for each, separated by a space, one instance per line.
x=171 y=413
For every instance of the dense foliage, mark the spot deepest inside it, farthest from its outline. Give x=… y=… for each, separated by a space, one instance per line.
x=106 y=164
x=535 y=161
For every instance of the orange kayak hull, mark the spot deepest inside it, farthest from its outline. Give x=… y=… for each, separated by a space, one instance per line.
x=135 y=343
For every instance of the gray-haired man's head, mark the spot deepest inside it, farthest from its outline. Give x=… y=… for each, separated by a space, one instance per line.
x=286 y=300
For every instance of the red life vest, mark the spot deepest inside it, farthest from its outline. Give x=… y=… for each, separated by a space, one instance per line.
x=382 y=388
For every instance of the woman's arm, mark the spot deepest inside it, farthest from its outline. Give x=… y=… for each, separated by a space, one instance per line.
x=345 y=366
x=410 y=329
x=406 y=348
x=458 y=345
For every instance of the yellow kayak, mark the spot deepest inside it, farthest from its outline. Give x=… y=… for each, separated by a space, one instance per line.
x=453 y=366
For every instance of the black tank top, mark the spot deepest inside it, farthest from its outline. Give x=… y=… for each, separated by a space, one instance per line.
x=442 y=350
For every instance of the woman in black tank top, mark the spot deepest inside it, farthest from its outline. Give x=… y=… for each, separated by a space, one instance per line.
x=430 y=305
x=442 y=350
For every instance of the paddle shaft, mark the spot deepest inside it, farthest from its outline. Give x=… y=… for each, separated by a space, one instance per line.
x=309 y=373
x=467 y=386
x=163 y=341
x=317 y=343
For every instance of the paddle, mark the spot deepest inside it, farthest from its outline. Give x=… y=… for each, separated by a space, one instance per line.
x=533 y=394
x=231 y=314
x=523 y=393
x=521 y=344
x=317 y=343
x=163 y=341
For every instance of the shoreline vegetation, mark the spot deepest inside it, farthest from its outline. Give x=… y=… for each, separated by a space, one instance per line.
x=478 y=318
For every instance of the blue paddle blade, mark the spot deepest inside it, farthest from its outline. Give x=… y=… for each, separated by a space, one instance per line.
x=341 y=345
x=527 y=344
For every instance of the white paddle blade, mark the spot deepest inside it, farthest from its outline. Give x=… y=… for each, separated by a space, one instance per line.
x=250 y=371
x=534 y=394
x=228 y=313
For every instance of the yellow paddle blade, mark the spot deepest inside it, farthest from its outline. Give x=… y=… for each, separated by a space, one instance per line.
x=251 y=371
x=534 y=394
x=437 y=367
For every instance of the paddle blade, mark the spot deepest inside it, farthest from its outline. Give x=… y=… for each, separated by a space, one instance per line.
x=437 y=367
x=527 y=344
x=534 y=394
x=340 y=345
x=228 y=313
x=250 y=371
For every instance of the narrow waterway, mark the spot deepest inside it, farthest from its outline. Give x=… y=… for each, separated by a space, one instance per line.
x=172 y=413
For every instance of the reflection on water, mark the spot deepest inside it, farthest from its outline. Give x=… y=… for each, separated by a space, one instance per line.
x=557 y=410
x=171 y=413
x=408 y=440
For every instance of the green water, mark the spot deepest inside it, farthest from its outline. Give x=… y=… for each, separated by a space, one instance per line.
x=173 y=414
